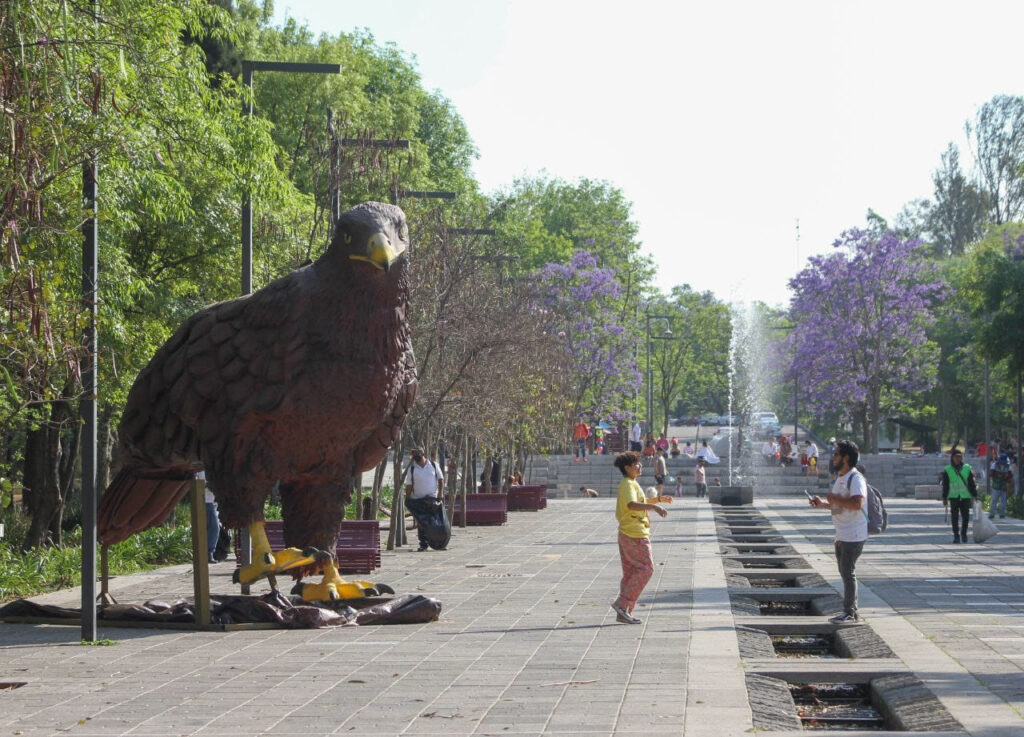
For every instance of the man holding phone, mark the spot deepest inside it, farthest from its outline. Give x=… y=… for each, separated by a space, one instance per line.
x=846 y=502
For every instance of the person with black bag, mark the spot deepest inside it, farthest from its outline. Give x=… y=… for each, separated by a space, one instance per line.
x=959 y=490
x=424 y=493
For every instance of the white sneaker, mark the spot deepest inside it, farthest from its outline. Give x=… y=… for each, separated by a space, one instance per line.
x=624 y=617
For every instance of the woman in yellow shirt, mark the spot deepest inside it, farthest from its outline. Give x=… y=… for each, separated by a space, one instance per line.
x=634 y=536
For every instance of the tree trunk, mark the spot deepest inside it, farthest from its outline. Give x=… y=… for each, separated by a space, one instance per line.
x=40 y=490
x=67 y=465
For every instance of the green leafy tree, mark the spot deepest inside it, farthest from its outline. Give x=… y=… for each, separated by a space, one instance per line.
x=692 y=367
x=958 y=216
x=993 y=284
x=174 y=158
x=997 y=138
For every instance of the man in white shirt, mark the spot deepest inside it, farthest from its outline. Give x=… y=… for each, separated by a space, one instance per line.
x=425 y=483
x=635 y=436
x=846 y=502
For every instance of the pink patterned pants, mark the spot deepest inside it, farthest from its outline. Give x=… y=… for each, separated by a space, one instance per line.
x=637 y=569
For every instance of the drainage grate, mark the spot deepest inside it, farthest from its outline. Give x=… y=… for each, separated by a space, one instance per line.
x=784 y=608
x=764 y=564
x=836 y=706
x=504 y=575
x=774 y=583
x=804 y=646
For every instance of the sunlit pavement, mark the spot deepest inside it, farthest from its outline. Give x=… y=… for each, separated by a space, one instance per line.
x=526 y=643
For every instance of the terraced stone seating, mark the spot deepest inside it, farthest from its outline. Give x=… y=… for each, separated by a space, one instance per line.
x=527 y=498
x=482 y=509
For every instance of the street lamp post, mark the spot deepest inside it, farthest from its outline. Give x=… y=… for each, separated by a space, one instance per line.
x=248 y=67
x=650 y=375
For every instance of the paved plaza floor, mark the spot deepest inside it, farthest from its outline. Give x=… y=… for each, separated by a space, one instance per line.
x=526 y=643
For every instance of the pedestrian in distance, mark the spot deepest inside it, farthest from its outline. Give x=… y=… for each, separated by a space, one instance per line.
x=959 y=490
x=846 y=503
x=212 y=519
x=588 y=493
x=700 y=478
x=631 y=510
x=660 y=470
x=1002 y=484
x=636 y=437
x=580 y=433
x=425 y=484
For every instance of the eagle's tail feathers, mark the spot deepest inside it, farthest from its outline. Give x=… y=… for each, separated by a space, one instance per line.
x=137 y=500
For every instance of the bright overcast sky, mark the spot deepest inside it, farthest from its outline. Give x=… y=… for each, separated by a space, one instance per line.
x=724 y=123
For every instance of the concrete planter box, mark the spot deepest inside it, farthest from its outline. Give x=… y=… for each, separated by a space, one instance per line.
x=731 y=496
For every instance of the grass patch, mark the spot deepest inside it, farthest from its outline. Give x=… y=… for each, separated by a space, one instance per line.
x=50 y=569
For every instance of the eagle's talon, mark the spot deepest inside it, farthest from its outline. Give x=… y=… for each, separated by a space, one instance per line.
x=290 y=558
x=322 y=591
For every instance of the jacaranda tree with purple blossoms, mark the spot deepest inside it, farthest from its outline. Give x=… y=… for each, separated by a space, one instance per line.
x=600 y=374
x=861 y=313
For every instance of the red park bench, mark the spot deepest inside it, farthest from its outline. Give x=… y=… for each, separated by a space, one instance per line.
x=482 y=509
x=358 y=548
x=527 y=498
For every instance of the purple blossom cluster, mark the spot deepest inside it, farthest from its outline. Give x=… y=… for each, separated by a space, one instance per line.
x=860 y=346
x=583 y=300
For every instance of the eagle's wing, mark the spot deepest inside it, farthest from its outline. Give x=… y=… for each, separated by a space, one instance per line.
x=226 y=360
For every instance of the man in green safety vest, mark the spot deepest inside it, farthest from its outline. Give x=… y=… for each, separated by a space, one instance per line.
x=958 y=492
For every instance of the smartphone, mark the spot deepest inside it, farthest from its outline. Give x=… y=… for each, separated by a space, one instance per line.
x=809 y=495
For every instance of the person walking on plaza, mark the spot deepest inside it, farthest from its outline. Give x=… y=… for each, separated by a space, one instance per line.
x=631 y=511
x=700 y=478
x=580 y=433
x=1002 y=484
x=959 y=490
x=425 y=484
x=846 y=503
x=212 y=519
x=660 y=470
x=831 y=458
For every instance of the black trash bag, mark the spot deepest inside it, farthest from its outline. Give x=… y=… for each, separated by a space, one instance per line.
x=407 y=609
x=432 y=519
x=220 y=553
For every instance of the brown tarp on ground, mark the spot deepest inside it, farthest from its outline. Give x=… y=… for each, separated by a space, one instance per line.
x=272 y=608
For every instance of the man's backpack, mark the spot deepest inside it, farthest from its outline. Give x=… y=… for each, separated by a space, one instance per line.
x=878 y=518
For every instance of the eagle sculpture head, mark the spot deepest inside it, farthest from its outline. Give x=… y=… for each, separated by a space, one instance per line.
x=373 y=232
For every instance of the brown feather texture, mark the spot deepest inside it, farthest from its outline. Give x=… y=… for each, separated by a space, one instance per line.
x=301 y=384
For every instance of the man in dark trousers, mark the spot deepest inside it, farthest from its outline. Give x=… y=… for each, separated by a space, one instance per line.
x=959 y=490
x=425 y=483
x=846 y=502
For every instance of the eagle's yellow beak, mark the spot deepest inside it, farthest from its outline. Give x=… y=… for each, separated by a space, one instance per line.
x=379 y=252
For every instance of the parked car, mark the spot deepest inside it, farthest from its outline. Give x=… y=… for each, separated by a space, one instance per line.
x=767 y=422
x=686 y=420
x=709 y=418
x=727 y=420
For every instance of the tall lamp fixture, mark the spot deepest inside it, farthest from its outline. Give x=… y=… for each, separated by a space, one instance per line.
x=667 y=335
